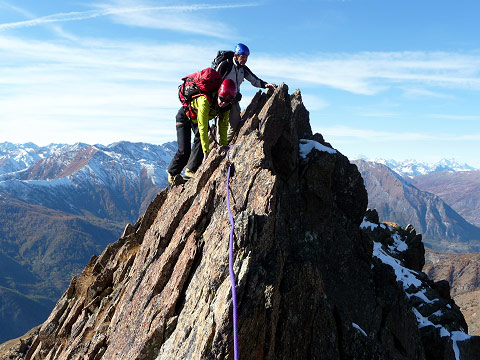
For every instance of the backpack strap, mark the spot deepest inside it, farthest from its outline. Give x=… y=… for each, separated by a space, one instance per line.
x=189 y=109
x=225 y=67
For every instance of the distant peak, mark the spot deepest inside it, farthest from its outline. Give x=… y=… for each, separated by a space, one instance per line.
x=412 y=167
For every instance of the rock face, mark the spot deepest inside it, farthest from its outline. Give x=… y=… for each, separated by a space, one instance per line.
x=308 y=286
x=441 y=324
x=460 y=190
x=396 y=199
x=462 y=271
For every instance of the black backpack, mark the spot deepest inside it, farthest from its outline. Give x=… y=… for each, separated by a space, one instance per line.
x=222 y=55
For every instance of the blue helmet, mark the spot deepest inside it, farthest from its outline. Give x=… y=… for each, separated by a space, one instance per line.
x=242 y=49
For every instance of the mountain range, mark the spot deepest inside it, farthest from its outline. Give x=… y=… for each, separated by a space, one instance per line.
x=412 y=168
x=59 y=205
x=460 y=190
x=59 y=176
x=314 y=272
x=397 y=199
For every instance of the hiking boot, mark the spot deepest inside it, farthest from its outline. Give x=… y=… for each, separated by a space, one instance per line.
x=188 y=174
x=170 y=178
x=174 y=180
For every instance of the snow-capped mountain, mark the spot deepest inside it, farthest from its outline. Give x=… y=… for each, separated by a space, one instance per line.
x=411 y=168
x=17 y=157
x=59 y=204
x=24 y=161
x=74 y=178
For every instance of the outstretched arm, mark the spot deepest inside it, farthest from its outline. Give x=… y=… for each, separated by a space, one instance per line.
x=255 y=80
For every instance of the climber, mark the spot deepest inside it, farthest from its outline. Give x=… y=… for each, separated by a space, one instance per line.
x=204 y=108
x=232 y=66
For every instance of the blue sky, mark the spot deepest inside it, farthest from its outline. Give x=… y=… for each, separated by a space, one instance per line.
x=383 y=79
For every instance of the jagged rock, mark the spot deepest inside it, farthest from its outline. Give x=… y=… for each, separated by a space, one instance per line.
x=308 y=286
x=371 y=215
x=415 y=255
x=470 y=349
x=440 y=321
x=462 y=272
x=443 y=288
x=17 y=348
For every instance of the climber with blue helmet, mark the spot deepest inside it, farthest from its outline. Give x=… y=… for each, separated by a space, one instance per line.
x=232 y=66
x=242 y=49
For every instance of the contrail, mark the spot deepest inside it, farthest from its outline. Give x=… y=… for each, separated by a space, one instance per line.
x=84 y=15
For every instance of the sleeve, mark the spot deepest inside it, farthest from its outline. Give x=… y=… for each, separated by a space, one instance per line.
x=203 y=108
x=223 y=128
x=254 y=80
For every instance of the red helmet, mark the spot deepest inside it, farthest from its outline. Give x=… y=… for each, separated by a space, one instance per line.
x=227 y=90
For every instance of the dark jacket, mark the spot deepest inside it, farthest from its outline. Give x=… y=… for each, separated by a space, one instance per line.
x=230 y=69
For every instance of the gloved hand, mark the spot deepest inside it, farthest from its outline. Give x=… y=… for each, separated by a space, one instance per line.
x=238 y=97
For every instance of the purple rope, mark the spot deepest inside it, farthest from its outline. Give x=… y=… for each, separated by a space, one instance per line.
x=230 y=268
x=230 y=258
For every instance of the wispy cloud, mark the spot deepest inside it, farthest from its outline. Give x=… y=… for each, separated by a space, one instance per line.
x=383 y=136
x=369 y=73
x=455 y=117
x=314 y=102
x=94 y=83
x=382 y=115
x=411 y=92
x=62 y=17
x=160 y=17
x=374 y=135
x=16 y=9
x=27 y=14
x=92 y=90
x=101 y=79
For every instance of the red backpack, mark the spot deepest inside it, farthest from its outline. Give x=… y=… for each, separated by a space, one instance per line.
x=202 y=83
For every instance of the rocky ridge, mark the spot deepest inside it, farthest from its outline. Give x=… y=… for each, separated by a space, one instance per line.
x=316 y=279
x=396 y=199
x=460 y=190
x=462 y=271
x=442 y=326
